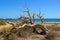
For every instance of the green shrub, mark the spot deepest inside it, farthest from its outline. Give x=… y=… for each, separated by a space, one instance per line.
x=2 y=22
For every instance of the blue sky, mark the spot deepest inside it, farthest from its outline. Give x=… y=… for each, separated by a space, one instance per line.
x=14 y=8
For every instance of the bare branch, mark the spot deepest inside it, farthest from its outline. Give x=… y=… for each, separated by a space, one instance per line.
x=33 y=16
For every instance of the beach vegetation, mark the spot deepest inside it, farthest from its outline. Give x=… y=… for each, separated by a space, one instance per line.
x=2 y=22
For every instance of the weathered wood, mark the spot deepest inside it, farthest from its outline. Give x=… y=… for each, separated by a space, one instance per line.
x=27 y=10
x=35 y=26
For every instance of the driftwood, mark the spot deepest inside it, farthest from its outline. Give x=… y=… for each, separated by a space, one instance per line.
x=27 y=22
x=34 y=26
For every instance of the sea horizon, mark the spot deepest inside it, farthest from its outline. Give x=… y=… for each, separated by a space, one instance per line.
x=37 y=19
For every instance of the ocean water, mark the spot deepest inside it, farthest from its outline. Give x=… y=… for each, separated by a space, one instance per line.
x=49 y=20
x=38 y=20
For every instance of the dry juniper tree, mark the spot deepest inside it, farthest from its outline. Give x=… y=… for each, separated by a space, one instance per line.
x=28 y=20
x=27 y=26
x=41 y=18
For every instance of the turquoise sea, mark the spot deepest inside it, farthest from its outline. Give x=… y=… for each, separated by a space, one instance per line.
x=38 y=20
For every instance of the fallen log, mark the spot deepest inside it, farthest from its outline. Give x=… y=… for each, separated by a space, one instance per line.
x=34 y=26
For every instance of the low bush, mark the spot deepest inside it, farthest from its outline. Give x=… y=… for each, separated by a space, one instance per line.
x=2 y=22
